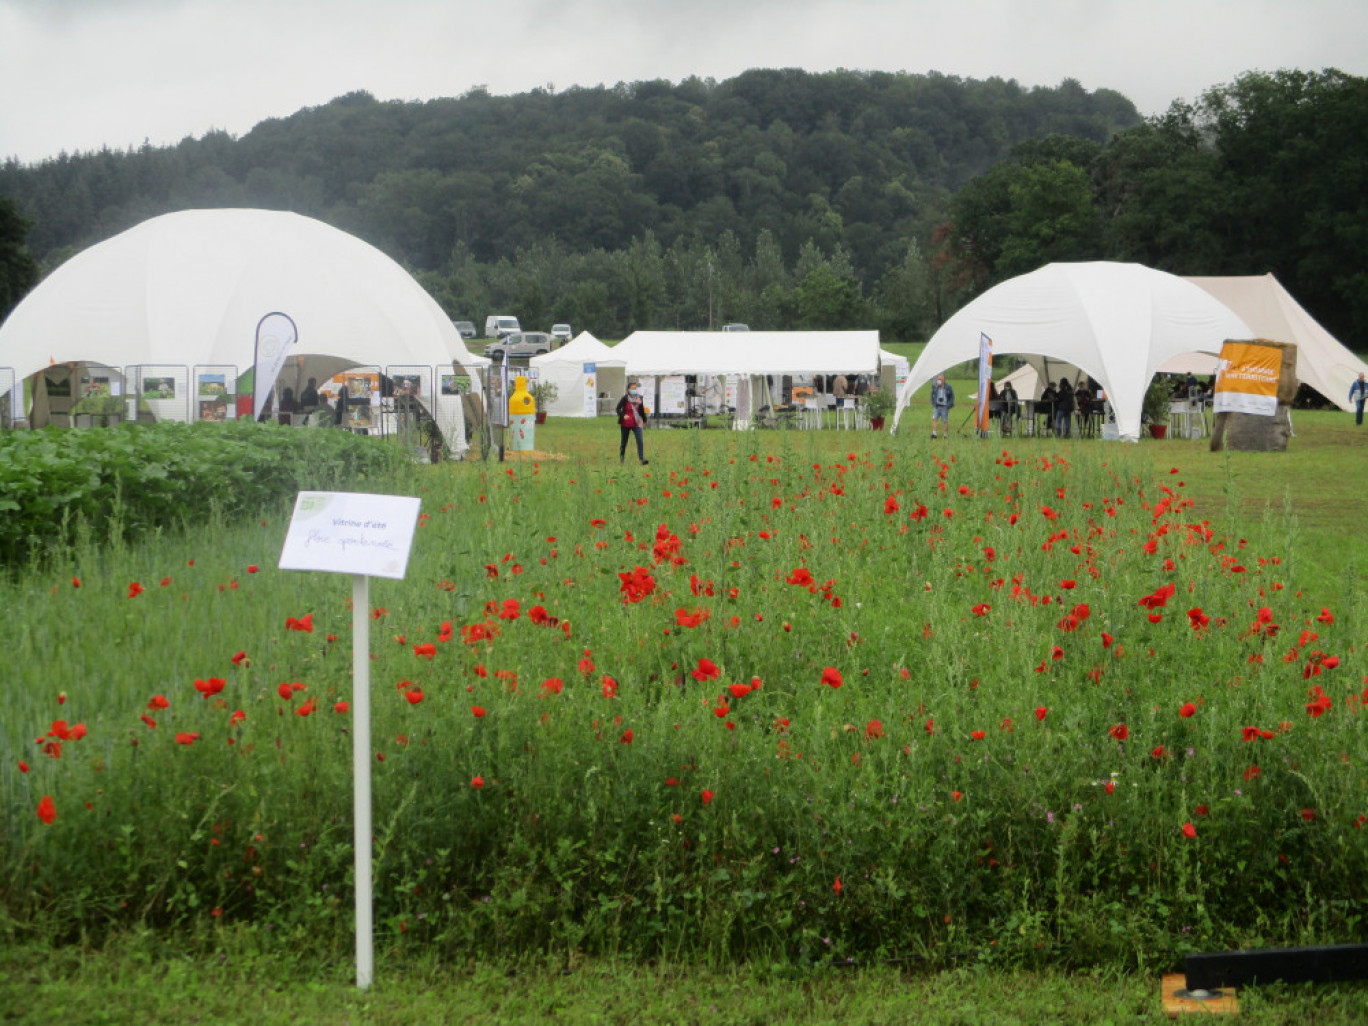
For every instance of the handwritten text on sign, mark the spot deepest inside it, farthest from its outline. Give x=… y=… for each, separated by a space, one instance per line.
x=350 y=533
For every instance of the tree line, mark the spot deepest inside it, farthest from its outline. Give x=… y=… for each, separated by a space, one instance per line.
x=780 y=198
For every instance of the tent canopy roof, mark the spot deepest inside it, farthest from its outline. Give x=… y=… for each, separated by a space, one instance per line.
x=750 y=352
x=1117 y=322
x=189 y=288
x=584 y=348
x=1270 y=310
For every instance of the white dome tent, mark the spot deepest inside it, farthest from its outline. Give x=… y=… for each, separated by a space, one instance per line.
x=564 y=368
x=1117 y=322
x=177 y=300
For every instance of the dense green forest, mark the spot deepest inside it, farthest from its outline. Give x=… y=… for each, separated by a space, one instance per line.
x=780 y=198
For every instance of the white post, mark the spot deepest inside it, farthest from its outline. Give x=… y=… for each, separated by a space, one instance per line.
x=361 y=778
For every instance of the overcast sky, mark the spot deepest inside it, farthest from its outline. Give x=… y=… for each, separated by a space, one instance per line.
x=76 y=75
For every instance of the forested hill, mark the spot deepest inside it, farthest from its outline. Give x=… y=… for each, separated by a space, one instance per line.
x=855 y=159
x=780 y=198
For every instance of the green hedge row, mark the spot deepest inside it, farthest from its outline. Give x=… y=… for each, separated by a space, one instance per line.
x=134 y=477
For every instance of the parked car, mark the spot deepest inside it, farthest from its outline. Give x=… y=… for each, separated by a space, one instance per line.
x=466 y=328
x=561 y=331
x=499 y=325
x=521 y=343
x=735 y=327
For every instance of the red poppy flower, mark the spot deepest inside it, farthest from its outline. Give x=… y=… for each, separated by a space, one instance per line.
x=1187 y=710
x=1107 y=640
x=425 y=651
x=610 y=687
x=1189 y=831
x=187 y=739
x=240 y=659
x=627 y=736
x=1200 y=810
x=1120 y=731
x=510 y=609
x=586 y=665
x=801 y=577
x=237 y=717
x=831 y=677
x=956 y=795
x=637 y=584
x=75 y=582
x=478 y=711
x=477 y=782
x=1252 y=773
x=166 y=582
x=552 y=686
x=307 y=708
x=739 y=690
x=684 y=618
x=1309 y=815
x=707 y=796
x=1159 y=752
x=134 y=590
x=1318 y=705
x=837 y=887
x=1068 y=585
x=47 y=812
x=874 y=729
x=982 y=609
x=304 y=624
x=1056 y=653
x=1041 y=712
x=342 y=708
x=977 y=735
x=159 y=702
x=1325 y=615
x=209 y=687
x=414 y=696
x=707 y=670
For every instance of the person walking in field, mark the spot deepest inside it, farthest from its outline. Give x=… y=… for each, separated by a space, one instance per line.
x=1358 y=393
x=942 y=402
x=631 y=415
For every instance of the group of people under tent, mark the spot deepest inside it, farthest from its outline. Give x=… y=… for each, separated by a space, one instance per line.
x=1059 y=404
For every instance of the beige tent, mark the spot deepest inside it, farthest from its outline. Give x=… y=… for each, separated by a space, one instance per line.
x=1271 y=312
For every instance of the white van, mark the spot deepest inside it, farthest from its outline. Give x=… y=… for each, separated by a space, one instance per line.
x=499 y=325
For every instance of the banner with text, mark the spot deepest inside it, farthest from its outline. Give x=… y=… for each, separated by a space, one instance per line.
x=985 y=375
x=275 y=334
x=1247 y=379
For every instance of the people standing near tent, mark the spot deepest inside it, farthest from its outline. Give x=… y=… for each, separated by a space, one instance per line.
x=942 y=402
x=631 y=415
x=840 y=386
x=1010 y=408
x=1064 y=409
x=308 y=398
x=1358 y=393
x=1045 y=405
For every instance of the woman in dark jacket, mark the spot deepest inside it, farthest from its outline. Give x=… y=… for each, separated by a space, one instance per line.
x=631 y=415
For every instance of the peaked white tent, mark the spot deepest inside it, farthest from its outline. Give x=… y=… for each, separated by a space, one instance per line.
x=564 y=367
x=750 y=352
x=1271 y=311
x=1116 y=322
x=184 y=292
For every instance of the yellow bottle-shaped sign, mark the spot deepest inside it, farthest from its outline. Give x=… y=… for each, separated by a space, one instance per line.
x=521 y=401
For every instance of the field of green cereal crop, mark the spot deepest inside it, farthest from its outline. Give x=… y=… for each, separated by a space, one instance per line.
x=783 y=697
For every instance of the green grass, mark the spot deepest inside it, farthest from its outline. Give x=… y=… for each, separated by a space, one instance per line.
x=145 y=983
x=579 y=848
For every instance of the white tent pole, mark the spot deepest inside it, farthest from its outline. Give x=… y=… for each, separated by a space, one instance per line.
x=361 y=778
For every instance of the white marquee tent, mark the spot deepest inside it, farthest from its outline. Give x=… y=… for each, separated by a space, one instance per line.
x=1117 y=322
x=750 y=357
x=564 y=367
x=1269 y=309
x=750 y=353
x=180 y=296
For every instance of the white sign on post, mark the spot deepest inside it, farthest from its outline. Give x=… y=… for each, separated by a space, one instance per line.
x=365 y=536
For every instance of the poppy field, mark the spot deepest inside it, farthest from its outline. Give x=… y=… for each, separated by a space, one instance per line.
x=771 y=697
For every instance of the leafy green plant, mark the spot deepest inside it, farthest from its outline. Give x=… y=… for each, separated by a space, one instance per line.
x=879 y=403
x=1157 y=398
x=544 y=393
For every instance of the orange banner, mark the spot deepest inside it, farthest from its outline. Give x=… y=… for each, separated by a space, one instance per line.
x=1247 y=379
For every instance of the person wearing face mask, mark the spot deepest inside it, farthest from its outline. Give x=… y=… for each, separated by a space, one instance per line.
x=631 y=415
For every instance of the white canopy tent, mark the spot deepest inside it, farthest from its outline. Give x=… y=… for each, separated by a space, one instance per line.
x=1269 y=309
x=185 y=291
x=1117 y=322
x=752 y=357
x=565 y=368
x=750 y=352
